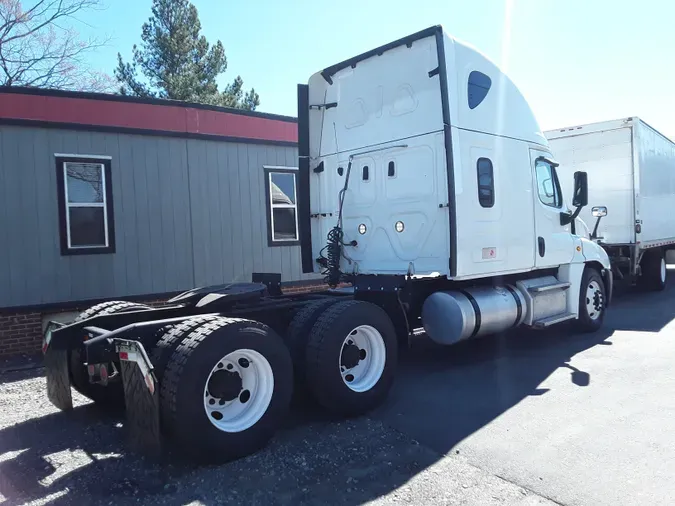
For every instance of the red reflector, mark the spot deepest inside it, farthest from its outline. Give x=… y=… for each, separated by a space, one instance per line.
x=91 y=370
x=124 y=355
x=104 y=372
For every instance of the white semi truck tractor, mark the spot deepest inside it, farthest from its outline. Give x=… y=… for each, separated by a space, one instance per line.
x=425 y=183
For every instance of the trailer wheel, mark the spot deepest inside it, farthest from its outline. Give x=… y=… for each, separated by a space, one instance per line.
x=654 y=272
x=226 y=389
x=111 y=395
x=351 y=357
x=298 y=333
x=592 y=301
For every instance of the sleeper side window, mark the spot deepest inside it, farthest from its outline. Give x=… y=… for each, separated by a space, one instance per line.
x=486 y=182
x=478 y=87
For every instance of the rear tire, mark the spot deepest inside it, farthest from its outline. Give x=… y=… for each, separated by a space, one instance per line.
x=247 y=421
x=654 y=272
x=351 y=357
x=298 y=334
x=169 y=340
x=592 y=301
x=111 y=395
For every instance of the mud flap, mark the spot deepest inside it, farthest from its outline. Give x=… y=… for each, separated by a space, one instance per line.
x=58 y=379
x=141 y=397
x=56 y=371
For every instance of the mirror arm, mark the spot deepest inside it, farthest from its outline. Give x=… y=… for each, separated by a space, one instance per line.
x=594 y=234
x=567 y=218
x=575 y=214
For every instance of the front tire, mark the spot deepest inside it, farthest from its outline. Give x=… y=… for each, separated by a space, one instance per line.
x=351 y=357
x=592 y=301
x=226 y=389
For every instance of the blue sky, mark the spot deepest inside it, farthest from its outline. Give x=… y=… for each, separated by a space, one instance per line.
x=576 y=61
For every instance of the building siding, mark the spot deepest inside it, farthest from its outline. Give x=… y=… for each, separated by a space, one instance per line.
x=187 y=213
x=229 y=214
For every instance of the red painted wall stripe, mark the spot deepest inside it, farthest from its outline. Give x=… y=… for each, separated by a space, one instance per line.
x=161 y=118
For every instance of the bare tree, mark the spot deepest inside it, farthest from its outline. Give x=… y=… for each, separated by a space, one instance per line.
x=40 y=48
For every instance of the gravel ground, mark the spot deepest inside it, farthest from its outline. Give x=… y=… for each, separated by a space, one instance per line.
x=49 y=457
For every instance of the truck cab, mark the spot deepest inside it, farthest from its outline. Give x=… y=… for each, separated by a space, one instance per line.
x=422 y=159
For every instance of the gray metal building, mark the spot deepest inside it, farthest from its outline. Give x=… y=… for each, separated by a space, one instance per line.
x=105 y=197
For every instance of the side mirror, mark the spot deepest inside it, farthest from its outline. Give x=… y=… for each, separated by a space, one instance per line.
x=599 y=211
x=580 y=198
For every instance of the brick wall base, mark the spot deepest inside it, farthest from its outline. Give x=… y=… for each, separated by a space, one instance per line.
x=21 y=331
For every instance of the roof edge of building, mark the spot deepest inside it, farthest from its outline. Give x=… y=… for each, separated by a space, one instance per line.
x=109 y=97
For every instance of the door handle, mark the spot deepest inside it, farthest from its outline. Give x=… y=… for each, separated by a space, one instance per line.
x=542 y=246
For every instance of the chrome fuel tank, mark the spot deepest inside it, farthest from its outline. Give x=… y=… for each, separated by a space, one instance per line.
x=452 y=316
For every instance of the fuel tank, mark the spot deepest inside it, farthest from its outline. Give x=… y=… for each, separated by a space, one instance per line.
x=452 y=316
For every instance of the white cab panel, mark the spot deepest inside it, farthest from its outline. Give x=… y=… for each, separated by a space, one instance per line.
x=403 y=184
x=381 y=99
x=389 y=122
x=498 y=238
x=504 y=110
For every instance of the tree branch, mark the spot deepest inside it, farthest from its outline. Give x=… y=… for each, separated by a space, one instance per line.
x=36 y=49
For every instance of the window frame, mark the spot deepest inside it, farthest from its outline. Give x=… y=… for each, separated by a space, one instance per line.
x=280 y=169
x=67 y=249
x=556 y=184
x=492 y=183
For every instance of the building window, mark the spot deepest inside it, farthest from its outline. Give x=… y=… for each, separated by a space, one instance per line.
x=282 y=206
x=486 y=182
x=547 y=184
x=477 y=88
x=85 y=204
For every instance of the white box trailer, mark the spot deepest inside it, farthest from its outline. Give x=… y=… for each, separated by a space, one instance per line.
x=631 y=179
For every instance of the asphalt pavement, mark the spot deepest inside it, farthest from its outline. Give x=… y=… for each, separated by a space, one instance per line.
x=580 y=419
x=528 y=418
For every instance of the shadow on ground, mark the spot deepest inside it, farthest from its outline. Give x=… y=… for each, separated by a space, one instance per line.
x=442 y=395
x=445 y=394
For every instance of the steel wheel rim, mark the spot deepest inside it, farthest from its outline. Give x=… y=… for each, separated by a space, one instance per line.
x=249 y=405
x=663 y=270
x=372 y=358
x=594 y=302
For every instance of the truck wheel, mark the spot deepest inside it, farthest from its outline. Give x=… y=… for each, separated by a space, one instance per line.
x=591 y=301
x=298 y=333
x=226 y=389
x=654 y=271
x=111 y=395
x=351 y=357
x=168 y=339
